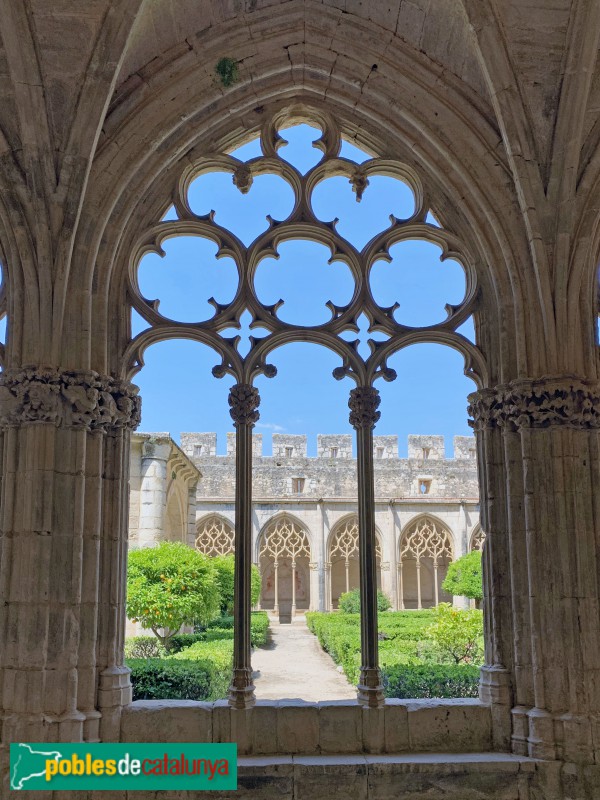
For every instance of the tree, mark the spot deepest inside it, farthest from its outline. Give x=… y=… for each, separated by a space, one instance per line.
x=168 y=586
x=458 y=635
x=224 y=567
x=349 y=602
x=464 y=576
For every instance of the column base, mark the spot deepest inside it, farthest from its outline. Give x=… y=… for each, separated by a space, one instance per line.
x=541 y=741
x=370 y=688
x=241 y=691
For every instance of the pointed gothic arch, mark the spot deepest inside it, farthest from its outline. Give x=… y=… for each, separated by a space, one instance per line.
x=284 y=557
x=342 y=558
x=215 y=535
x=477 y=539
x=425 y=549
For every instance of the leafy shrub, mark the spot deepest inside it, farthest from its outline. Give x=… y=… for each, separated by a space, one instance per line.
x=400 y=653
x=200 y=672
x=464 y=576
x=458 y=635
x=182 y=640
x=431 y=680
x=143 y=647
x=349 y=602
x=168 y=586
x=224 y=567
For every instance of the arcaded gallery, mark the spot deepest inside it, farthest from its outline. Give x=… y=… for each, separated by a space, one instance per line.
x=487 y=112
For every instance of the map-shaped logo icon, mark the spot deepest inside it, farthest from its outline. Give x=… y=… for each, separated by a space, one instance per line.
x=27 y=763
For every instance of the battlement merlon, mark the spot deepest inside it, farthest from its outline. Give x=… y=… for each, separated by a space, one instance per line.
x=333 y=446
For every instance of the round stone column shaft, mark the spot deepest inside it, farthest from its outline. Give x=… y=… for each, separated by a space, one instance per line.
x=244 y=401
x=363 y=404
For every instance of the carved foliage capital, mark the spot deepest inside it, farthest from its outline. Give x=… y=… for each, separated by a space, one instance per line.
x=542 y=403
x=363 y=404
x=83 y=400
x=244 y=401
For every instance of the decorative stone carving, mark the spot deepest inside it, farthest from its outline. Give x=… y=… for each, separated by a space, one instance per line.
x=75 y=399
x=539 y=403
x=426 y=538
x=244 y=401
x=242 y=178
x=363 y=404
x=359 y=183
x=344 y=542
x=477 y=540
x=215 y=536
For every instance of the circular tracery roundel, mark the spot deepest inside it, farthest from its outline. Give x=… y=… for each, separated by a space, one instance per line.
x=215 y=536
x=337 y=328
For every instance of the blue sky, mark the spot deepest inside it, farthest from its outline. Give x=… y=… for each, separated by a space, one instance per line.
x=179 y=392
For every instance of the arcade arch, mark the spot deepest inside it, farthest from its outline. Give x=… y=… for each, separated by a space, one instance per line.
x=425 y=549
x=284 y=557
x=215 y=536
x=342 y=559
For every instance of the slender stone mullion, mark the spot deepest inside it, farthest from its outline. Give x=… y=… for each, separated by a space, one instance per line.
x=244 y=401
x=363 y=416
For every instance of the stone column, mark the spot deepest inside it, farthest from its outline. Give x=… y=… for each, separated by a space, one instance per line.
x=244 y=401
x=153 y=491
x=192 y=513
x=394 y=560
x=539 y=447
x=65 y=463
x=363 y=404
x=322 y=605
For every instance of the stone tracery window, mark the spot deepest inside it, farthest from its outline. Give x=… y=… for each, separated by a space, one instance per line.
x=284 y=544
x=343 y=549
x=363 y=329
x=477 y=539
x=215 y=536
x=426 y=544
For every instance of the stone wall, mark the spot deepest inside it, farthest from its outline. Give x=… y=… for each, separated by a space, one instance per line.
x=426 y=472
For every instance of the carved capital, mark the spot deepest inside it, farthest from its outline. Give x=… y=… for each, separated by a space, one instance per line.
x=363 y=404
x=83 y=400
x=542 y=403
x=244 y=401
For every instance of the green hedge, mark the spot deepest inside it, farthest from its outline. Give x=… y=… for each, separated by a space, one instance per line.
x=198 y=666
x=431 y=680
x=402 y=650
x=200 y=672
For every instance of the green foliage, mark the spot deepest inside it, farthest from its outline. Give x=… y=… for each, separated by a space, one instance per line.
x=350 y=602
x=457 y=635
x=143 y=647
x=198 y=666
x=402 y=639
x=224 y=567
x=464 y=576
x=227 y=70
x=168 y=586
x=200 y=672
x=431 y=680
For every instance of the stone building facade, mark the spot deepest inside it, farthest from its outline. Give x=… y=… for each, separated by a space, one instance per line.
x=490 y=110
x=304 y=516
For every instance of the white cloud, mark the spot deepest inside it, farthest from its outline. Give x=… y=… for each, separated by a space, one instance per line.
x=270 y=426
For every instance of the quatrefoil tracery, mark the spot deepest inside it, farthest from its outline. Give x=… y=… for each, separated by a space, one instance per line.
x=301 y=223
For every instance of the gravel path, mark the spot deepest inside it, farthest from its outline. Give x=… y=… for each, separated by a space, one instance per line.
x=295 y=667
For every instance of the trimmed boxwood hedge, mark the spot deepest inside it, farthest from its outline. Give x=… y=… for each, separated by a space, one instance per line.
x=198 y=666
x=400 y=649
x=431 y=680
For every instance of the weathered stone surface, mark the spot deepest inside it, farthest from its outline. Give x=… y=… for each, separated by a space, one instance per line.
x=167 y=721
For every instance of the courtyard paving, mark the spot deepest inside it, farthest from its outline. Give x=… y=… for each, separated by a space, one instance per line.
x=295 y=667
